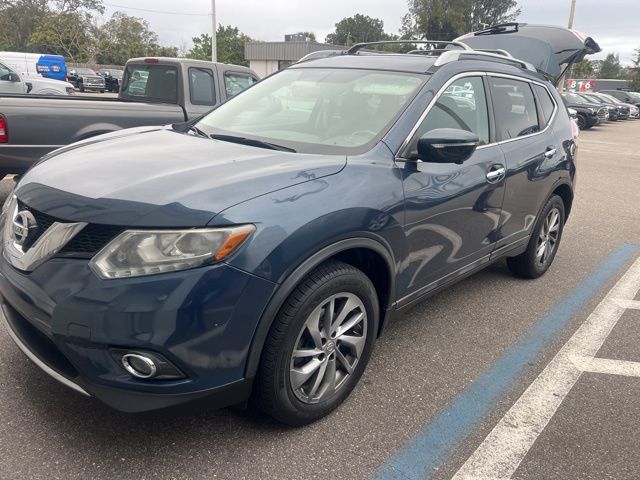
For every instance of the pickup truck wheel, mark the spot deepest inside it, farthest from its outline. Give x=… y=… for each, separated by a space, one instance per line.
x=82 y=87
x=544 y=242
x=101 y=91
x=318 y=345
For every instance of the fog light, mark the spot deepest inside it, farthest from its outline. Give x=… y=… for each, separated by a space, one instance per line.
x=139 y=365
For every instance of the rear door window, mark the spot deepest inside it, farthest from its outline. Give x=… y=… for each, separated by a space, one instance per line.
x=151 y=82
x=514 y=107
x=234 y=83
x=547 y=105
x=201 y=86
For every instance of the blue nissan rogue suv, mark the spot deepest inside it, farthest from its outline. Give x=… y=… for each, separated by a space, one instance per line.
x=260 y=250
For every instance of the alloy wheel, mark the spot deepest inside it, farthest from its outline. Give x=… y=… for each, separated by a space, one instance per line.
x=328 y=348
x=548 y=238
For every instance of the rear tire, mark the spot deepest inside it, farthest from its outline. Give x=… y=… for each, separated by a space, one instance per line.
x=582 y=122
x=82 y=87
x=319 y=345
x=544 y=242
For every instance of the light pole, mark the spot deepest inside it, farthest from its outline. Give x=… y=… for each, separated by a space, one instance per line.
x=572 y=13
x=214 y=47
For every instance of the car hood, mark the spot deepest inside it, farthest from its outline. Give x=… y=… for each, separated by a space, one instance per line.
x=157 y=177
x=47 y=82
x=91 y=77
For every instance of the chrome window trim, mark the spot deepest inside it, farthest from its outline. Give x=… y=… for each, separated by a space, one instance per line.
x=433 y=101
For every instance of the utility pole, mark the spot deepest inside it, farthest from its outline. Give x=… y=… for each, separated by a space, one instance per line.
x=214 y=46
x=572 y=14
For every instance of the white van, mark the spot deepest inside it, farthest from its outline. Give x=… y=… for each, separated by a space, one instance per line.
x=35 y=64
x=22 y=73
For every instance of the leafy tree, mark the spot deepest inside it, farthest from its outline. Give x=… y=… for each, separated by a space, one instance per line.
x=610 y=67
x=635 y=76
x=18 y=20
x=201 y=49
x=230 y=45
x=583 y=69
x=438 y=20
x=356 y=29
x=71 y=34
x=124 y=37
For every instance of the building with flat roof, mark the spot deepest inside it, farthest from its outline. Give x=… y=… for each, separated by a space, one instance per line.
x=268 y=57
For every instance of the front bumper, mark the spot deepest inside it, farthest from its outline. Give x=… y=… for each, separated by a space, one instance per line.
x=68 y=322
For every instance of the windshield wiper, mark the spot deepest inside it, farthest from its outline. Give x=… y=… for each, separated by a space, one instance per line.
x=250 y=141
x=197 y=131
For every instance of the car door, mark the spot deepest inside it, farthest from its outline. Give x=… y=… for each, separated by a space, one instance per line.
x=452 y=212
x=10 y=81
x=531 y=152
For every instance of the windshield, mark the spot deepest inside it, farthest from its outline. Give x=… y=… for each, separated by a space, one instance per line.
x=117 y=73
x=592 y=98
x=610 y=99
x=317 y=110
x=85 y=71
x=634 y=95
x=572 y=98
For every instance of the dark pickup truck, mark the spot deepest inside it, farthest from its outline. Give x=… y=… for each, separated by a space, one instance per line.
x=155 y=91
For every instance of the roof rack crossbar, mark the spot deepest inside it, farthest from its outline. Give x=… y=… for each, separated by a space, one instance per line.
x=453 y=55
x=358 y=46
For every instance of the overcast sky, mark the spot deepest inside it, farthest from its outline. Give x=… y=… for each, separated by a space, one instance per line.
x=612 y=23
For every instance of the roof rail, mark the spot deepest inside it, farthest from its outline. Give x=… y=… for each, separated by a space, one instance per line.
x=358 y=46
x=454 y=55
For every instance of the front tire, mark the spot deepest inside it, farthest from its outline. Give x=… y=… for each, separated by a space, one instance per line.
x=582 y=122
x=544 y=242
x=319 y=344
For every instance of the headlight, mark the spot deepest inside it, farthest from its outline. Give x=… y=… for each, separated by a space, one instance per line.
x=135 y=253
x=592 y=110
x=70 y=91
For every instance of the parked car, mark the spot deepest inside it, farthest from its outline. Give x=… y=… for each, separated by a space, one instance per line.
x=86 y=79
x=588 y=114
x=155 y=91
x=112 y=79
x=13 y=83
x=624 y=96
x=620 y=111
x=633 y=110
x=264 y=245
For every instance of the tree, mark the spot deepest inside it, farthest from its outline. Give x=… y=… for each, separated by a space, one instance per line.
x=230 y=45
x=635 y=76
x=438 y=20
x=356 y=29
x=70 y=34
x=610 y=67
x=583 y=69
x=124 y=37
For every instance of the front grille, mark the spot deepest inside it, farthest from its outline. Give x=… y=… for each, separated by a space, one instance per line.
x=602 y=113
x=85 y=244
x=91 y=240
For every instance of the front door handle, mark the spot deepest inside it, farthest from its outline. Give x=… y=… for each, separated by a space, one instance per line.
x=496 y=173
x=551 y=151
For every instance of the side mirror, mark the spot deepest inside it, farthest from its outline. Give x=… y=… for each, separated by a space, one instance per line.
x=447 y=145
x=11 y=77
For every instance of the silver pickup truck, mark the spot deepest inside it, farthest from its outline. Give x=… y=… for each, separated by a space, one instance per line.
x=154 y=91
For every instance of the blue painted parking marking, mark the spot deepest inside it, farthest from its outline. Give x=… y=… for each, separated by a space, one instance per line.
x=421 y=456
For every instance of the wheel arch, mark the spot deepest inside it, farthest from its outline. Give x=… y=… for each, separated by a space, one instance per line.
x=367 y=254
x=565 y=192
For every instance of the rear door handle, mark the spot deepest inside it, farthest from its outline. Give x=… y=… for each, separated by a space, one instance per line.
x=551 y=151
x=496 y=173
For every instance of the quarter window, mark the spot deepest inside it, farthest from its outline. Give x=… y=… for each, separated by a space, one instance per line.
x=463 y=105
x=201 y=86
x=547 y=104
x=234 y=83
x=515 y=108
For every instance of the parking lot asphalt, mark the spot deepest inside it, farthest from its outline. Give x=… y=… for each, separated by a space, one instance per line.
x=436 y=386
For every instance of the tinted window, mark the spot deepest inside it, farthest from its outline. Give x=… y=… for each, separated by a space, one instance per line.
x=234 y=83
x=4 y=72
x=546 y=103
x=201 y=86
x=463 y=105
x=515 y=108
x=151 y=82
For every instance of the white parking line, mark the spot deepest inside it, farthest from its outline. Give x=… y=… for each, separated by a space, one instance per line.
x=503 y=449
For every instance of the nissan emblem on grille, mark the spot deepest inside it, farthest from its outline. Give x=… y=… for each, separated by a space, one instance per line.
x=24 y=226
